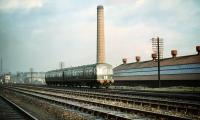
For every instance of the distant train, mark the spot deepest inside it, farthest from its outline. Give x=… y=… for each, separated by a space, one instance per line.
x=94 y=75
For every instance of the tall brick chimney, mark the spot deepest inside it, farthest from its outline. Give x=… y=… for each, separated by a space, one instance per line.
x=174 y=53
x=137 y=58
x=198 y=50
x=154 y=56
x=100 y=35
x=124 y=60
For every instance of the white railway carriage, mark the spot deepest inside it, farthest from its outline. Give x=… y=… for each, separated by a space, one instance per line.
x=88 y=75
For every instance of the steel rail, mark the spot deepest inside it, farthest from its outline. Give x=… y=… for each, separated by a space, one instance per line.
x=187 y=107
x=63 y=102
x=117 y=107
x=23 y=112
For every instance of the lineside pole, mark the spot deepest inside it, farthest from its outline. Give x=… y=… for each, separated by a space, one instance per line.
x=1 y=65
x=31 y=71
x=158 y=46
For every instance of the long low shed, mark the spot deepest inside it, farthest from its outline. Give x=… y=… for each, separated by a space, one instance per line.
x=175 y=71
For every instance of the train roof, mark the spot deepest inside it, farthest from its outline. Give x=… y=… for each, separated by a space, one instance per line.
x=79 y=67
x=181 y=60
x=82 y=66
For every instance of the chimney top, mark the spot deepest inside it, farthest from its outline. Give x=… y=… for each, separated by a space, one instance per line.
x=154 y=56
x=174 y=53
x=100 y=7
x=198 y=50
x=124 y=60
x=137 y=58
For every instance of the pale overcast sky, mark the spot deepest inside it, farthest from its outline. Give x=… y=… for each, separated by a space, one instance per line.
x=41 y=33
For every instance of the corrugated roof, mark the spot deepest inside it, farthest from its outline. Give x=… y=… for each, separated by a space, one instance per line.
x=190 y=59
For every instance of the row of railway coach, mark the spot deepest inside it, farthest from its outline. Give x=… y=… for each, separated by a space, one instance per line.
x=174 y=71
x=94 y=75
x=99 y=74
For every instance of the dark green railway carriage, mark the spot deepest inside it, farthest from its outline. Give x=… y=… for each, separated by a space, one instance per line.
x=87 y=75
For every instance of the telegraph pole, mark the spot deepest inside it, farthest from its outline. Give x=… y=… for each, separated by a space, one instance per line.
x=1 y=65
x=157 y=44
x=31 y=71
x=61 y=65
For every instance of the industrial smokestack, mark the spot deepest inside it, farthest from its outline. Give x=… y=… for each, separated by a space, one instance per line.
x=198 y=50
x=174 y=53
x=124 y=60
x=154 y=56
x=137 y=58
x=100 y=35
x=1 y=66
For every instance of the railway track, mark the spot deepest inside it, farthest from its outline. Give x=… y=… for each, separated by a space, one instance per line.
x=175 y=96
x=184 y=107
x=80 y=105
x=161 y=94
x=11 y=111
x=195 y=97
x=119 y=104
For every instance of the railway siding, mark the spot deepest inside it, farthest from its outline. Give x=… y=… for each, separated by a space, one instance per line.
x=11 y=111
x=121 y=106
x=85 y=107
x=150 y=104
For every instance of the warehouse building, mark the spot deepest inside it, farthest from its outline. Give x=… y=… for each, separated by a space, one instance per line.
x=29 y=77
x=174 y=71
